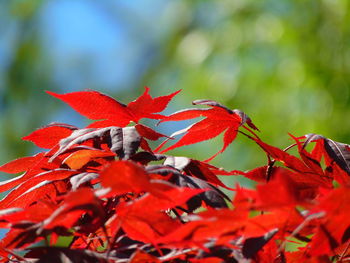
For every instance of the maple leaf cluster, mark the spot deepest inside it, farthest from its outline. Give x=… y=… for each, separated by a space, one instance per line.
x=113 y=198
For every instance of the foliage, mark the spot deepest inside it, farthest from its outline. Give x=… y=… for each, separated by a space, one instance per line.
x=285 y=61
x=115 y=199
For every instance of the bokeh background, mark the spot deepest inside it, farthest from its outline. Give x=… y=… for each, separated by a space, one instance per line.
x=285 y=63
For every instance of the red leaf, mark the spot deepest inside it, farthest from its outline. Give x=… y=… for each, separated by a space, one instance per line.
x=149 y=203
x=206 y=226
x=214 y=114
x=280 y=155
x=41 y=164
x=309 y=160
x=18 y=238
x=20 y=164
x=50 y=135
x=95 y=106
x=142 y=257
x=148 y=228
x=258 y=174
x=144 y=219
x=35 y=213
x=201 y=131
x=145 y=106
x=318 y=150
x=229 y=136
x=281 y=190
x=207 y=260
x=125 y=176
x=74 y=205
x=104 y=123
x=18 y=196
x=334 y=228
x=188 y=114
x=302 y=255
x=306 y=174
x=148 y=133
x=218 y=119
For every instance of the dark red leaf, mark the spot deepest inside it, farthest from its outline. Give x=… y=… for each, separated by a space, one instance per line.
x=18 y=238
x=339 y=152
x=212 y=197
x=197 y=169
x=252 y=245
x=122 y=141
x=82 y=178
x=211 y=103
x=308 y=159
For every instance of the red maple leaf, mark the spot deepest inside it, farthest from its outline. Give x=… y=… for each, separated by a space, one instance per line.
x=117 y=200
x=50 y=135
x=218 y=119
x=97 y=106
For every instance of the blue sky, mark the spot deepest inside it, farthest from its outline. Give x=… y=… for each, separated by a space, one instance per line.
x=97 y=44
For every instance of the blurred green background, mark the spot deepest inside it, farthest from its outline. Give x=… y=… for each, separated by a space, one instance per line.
x=285 y=63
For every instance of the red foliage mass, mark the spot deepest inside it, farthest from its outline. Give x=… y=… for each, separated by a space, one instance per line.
x=115 y=199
